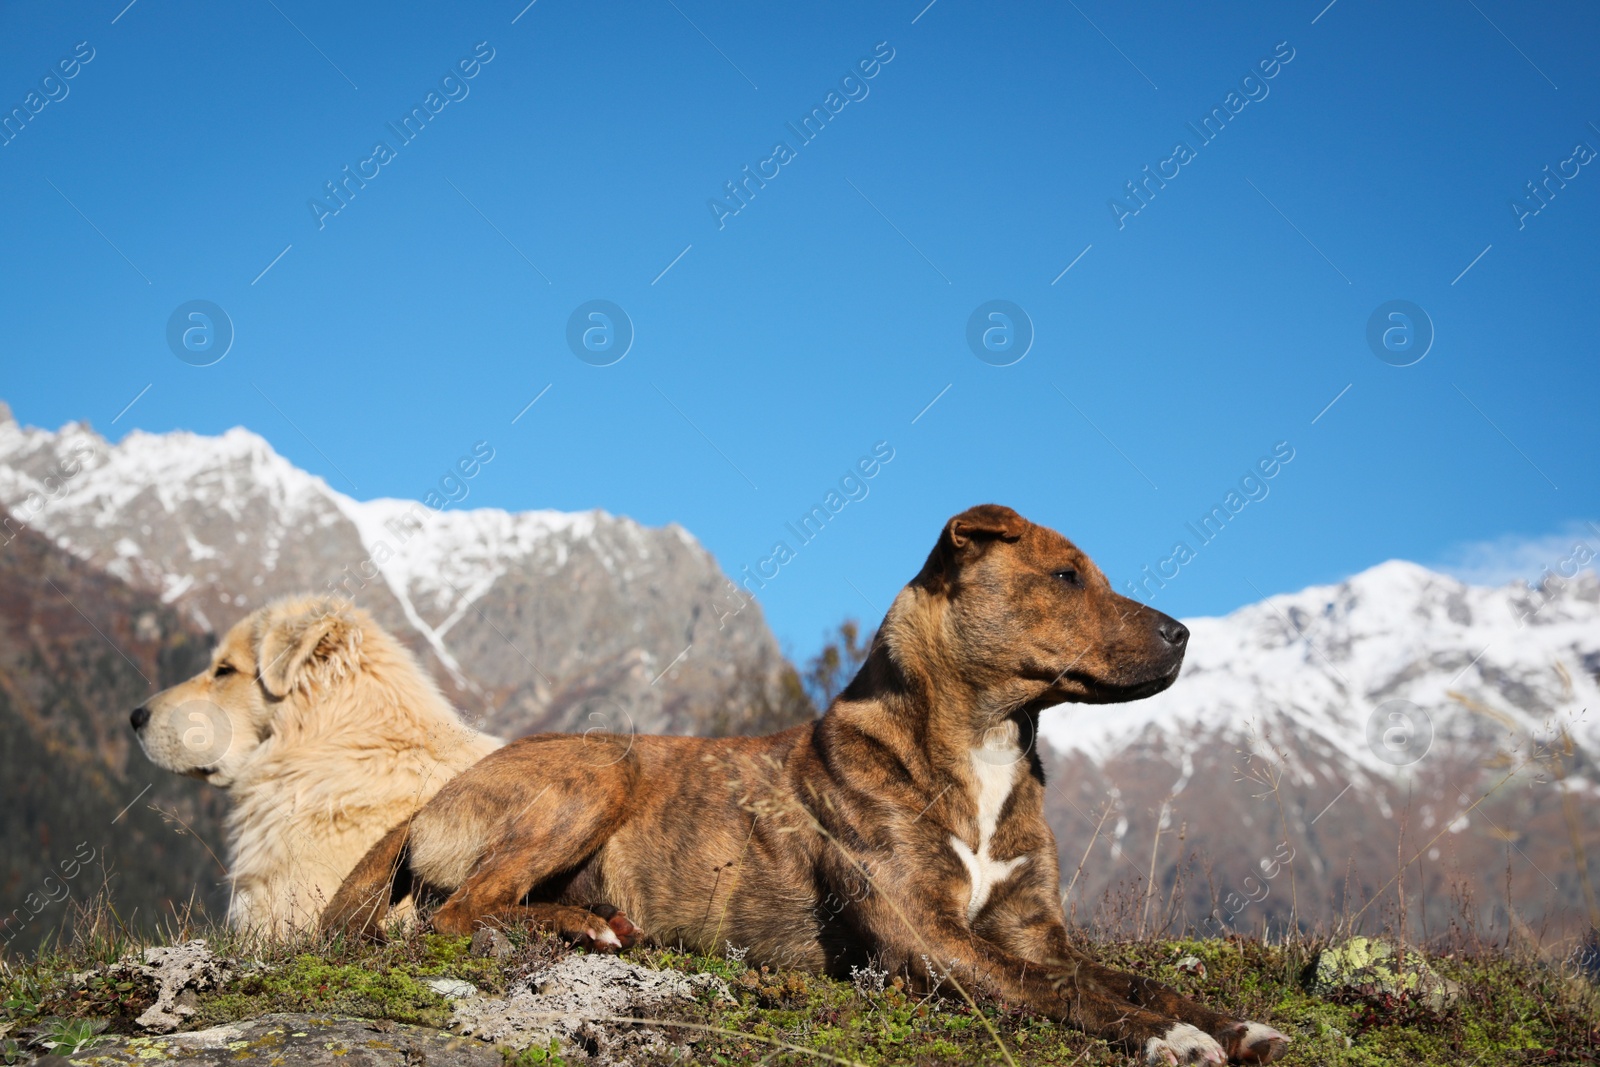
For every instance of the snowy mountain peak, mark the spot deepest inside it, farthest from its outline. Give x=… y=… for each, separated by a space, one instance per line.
x=544 y=609
x=171 y=487
x=1320 y=662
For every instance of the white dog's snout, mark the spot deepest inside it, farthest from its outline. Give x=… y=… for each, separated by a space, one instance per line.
x=203 y=730
x=194 y=735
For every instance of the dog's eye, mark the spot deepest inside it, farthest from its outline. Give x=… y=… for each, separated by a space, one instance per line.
x=1069 y=575
x=224 y=669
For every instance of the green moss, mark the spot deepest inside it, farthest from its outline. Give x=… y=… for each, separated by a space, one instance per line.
x=310 y=983
x=534 y=1056
x=1505 y=1010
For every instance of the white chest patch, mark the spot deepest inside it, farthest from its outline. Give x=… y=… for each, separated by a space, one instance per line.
x=995 y=767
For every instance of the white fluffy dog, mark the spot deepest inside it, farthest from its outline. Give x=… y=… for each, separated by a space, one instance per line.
x=325 y=732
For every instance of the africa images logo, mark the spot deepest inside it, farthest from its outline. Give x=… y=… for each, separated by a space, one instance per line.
x=853 y=87
x=1253 y=85
x=453 y=88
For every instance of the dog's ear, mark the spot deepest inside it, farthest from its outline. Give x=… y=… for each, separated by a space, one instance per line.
x=966 y=537
x=978 y=527
x=300 y=650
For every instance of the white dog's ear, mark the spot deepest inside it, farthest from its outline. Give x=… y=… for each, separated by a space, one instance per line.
x=303 y=650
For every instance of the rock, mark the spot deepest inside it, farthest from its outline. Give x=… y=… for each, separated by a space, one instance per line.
x=178 y=971
x=451 y=988
x=1369 y=966
x=1191 y=965
x=303 y=1040
x=582 y=1002
x=491 y=943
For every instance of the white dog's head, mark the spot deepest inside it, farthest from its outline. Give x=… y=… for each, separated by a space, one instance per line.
x=211 y=726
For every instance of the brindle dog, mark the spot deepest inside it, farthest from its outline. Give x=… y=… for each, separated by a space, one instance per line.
x=906 y=825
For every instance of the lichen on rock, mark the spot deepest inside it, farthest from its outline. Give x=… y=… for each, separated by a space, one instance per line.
x=305 y=1040
x=179 y=971
x=1369 y=966
x=580 y=1002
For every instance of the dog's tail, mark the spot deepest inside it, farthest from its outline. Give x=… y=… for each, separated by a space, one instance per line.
x=381 y=879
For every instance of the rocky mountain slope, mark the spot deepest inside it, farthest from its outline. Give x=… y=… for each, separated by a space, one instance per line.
x=1354 y=726
x=536 y=620
x=83 y=808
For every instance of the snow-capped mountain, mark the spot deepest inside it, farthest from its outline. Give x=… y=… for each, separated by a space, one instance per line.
x=1398 y=716
x=537 y=619
x=1478 y=663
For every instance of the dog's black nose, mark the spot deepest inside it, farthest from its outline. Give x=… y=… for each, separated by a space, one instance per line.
x=139 y=717
x=1173 y=632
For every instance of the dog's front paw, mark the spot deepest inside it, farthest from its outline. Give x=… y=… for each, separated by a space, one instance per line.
x=1254 y=1043
x=626 y=933
x=595 y=934
x=583 y=927
x=1183 y=1044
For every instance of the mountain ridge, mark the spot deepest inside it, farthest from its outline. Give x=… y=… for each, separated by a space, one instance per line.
x=1400 y=728
x=1362 y=639
x=218 y=525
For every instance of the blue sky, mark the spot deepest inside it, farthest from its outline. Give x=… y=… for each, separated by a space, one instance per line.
x=776 y=346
